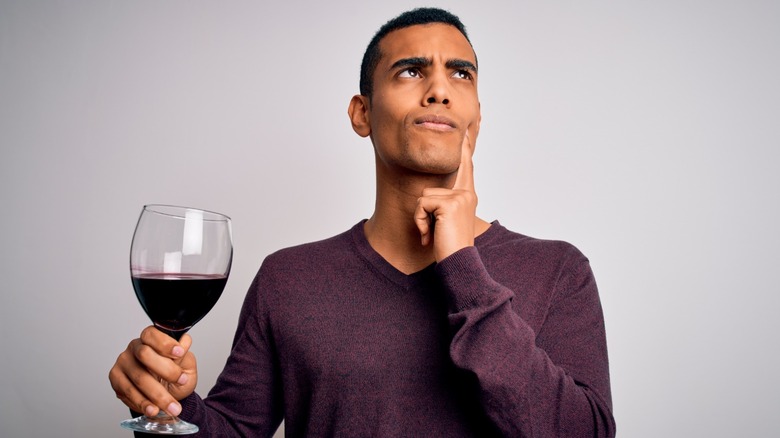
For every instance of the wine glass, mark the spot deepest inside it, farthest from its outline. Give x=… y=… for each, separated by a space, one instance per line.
x=179 y=263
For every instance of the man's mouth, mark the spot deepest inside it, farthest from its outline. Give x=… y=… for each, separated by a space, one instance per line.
x=436 y=122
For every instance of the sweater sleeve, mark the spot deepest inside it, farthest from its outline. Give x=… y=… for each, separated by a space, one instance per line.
x=246 y=399
x=554 y=383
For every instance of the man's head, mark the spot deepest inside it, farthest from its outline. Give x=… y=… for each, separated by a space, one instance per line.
x=373 y=53
x=423 y=99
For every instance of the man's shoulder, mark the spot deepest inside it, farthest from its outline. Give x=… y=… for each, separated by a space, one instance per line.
x=319 y=251
x=504 y=241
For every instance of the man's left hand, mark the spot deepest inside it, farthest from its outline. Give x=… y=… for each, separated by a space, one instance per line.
x=452 y=210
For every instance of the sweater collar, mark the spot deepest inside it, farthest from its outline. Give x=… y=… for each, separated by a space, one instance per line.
x=380 y=265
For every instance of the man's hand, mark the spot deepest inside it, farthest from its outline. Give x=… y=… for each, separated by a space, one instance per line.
x=453 y=210
x=137 y=372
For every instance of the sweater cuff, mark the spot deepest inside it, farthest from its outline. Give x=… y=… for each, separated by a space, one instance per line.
x=191 y=407
x=465 y=278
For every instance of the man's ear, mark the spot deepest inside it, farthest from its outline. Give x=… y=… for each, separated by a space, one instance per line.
x=359 y=115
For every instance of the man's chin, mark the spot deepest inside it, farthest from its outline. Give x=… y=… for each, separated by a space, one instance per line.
x=435 y=168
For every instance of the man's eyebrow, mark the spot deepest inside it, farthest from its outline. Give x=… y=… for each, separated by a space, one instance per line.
x=419 y=61
x=411 y=62
x=461 y=64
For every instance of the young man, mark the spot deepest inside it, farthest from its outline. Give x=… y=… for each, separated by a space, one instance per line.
x=423 y=319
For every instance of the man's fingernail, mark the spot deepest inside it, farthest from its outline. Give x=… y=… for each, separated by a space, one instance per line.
x=149 y=411
x=178 y=351
x=173 y=409
x=183 y=379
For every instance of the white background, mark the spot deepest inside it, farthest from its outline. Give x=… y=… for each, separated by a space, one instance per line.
x=645 y=133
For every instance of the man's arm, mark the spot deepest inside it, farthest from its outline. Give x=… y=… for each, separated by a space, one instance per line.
x=246 y=399
x=554 y=383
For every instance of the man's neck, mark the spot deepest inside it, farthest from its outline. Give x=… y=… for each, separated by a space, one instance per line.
x=391 y=230
x=398 y=244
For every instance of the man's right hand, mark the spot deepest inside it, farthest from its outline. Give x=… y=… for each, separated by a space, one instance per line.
x=136 y=374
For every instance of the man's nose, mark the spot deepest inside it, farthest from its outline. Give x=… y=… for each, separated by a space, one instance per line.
x=438 y=90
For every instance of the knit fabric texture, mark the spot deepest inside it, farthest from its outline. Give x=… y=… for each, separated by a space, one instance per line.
x=505 y=338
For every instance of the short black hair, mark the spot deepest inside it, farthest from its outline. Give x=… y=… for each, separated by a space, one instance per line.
x=410 y=18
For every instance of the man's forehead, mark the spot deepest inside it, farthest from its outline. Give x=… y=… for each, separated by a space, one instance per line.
x=425 y=41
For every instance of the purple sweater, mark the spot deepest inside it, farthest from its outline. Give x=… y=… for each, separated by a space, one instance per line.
x=505 y=338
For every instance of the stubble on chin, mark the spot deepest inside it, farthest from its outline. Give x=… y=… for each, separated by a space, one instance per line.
x=435 y=156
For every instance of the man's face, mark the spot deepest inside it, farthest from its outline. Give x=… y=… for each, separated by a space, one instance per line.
x=424 y=99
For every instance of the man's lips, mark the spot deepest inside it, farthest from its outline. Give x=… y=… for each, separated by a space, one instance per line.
x=437 y=122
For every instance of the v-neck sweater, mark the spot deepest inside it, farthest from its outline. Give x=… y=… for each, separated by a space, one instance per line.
x=505 y=338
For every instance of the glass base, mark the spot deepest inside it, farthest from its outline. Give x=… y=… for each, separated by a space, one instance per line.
x=162 y=424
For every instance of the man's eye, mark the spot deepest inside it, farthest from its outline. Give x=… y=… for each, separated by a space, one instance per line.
x=409 y=73
x=463 y=74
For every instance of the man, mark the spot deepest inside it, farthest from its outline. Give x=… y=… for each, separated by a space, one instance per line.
x=422 y=320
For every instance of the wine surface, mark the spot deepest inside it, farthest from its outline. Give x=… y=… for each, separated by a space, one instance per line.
x=175 y=302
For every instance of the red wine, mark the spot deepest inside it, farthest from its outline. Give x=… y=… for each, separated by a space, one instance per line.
x=175 y=302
